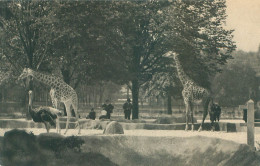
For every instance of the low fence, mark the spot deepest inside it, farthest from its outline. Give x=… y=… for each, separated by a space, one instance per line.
x=17 y=109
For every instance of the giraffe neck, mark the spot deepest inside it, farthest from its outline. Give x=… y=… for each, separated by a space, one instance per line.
x=46 y=79
x=182 y=75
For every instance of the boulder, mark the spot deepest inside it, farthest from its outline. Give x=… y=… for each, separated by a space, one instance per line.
x=93 y=124
x=114 y=128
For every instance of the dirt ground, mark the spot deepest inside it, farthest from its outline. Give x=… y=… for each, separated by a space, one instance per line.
x=134 y=147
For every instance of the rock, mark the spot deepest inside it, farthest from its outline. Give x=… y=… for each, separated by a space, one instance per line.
x=93 y=124
x=114 y=128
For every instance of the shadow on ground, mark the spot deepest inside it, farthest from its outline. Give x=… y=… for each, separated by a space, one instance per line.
x=23 y=149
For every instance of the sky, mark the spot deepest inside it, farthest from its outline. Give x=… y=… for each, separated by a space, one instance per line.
x=244 y=18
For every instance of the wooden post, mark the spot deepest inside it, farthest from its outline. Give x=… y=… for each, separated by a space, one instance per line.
x=250 y=124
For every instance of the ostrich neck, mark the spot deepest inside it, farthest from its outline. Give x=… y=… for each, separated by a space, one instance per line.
x=30 y=110
x=30 y=105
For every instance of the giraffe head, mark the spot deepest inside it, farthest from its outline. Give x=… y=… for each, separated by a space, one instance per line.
x=26 y=72
x=175 y=55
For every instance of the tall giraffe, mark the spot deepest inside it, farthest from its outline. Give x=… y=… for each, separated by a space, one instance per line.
x=60 y=92
x=192 y=93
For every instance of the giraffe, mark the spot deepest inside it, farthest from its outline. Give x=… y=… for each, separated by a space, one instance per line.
x=60 y=92
x=192 y=93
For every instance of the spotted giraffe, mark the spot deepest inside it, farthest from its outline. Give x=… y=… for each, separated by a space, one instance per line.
x=191 y=93
x=60 y=92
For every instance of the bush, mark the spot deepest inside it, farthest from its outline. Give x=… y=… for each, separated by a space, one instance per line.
x=21 y=148
x=59 y=144
x=49 y=149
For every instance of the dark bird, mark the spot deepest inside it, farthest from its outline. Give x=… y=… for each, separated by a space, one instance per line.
x=43 y=114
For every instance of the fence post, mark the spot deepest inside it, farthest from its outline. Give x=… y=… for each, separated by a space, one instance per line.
x=250 y=124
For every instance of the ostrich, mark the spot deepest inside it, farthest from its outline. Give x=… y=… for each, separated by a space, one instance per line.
x=44 y=114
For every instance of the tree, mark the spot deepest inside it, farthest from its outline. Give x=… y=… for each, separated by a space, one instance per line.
x=86 y=37
x=142 y=51
x=164 y=84
x=194 y=29
x=72 y=39
x=25 y=31
x=120 y=41
x=235 y=85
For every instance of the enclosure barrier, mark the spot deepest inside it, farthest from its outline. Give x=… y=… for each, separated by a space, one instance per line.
x=250 y=124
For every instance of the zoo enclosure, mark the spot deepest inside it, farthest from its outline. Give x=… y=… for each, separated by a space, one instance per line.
x=18 y=109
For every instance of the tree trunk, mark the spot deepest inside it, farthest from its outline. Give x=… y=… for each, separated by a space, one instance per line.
x=29 y=80
x=66 y=76
x=127 y=92
x=101 y=93
x=85 y=100
x=135 y=80
x=94 y=97
x=3 y=95
x=169 y=104
x=135 y=95
x=89 y=98
x=46 y=95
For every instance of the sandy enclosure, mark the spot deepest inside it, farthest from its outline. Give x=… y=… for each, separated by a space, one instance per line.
x=239 y=137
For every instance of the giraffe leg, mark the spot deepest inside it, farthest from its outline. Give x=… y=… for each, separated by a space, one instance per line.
x=203 y=119
x=55 y=104
x=67 y=105
x=213 y=123
x=58 y=125
x=213 y=126
x=192 y=122
x=187 y=117
x=77 y=115
x=205 y=113
x=58 y=129
x=79 y=132
x=54 y=101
